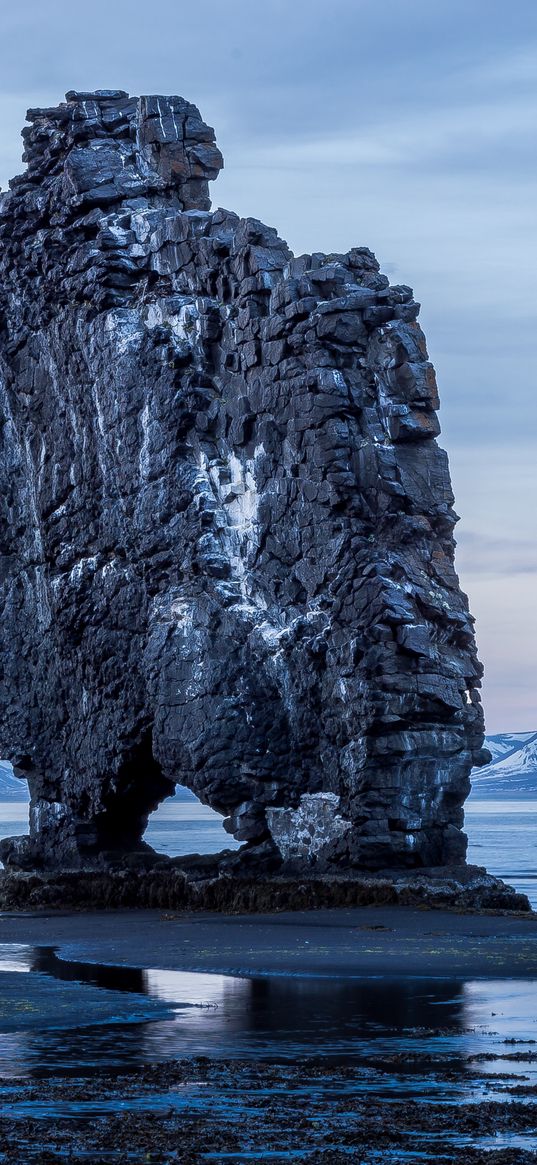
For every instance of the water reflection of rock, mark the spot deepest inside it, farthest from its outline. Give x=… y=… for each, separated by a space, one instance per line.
x=111 y=978
x=279 y=1017
x=276 y=1003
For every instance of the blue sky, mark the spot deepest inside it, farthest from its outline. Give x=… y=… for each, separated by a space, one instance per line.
x=408 y=126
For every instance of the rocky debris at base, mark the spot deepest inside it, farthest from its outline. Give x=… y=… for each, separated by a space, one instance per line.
x=203 y=888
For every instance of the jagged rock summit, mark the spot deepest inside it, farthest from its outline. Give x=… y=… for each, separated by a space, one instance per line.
x=226 y=525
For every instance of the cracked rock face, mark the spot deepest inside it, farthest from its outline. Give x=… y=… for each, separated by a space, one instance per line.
x=226 y=525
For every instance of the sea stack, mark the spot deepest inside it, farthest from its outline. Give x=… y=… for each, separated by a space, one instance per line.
x=226 y=525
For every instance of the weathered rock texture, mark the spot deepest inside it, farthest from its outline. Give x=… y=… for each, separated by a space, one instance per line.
x=226 y=526
x=169 y=886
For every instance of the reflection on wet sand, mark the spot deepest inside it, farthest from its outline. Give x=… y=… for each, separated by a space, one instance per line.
x=205 y=1014
x=46 y=961
x=245 y=1068
x=340 y=1020
x=226 y=1017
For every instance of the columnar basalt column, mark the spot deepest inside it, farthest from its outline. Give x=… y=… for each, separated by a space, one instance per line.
x=226 y=525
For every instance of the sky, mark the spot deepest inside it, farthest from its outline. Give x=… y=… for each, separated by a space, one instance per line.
x=408 y=126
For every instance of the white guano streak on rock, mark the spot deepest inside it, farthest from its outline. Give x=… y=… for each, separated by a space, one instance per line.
x=183 y=322
x=125 y=328
x=232 y=484
x=45 y=813
x=163 y=131
x=144 y=461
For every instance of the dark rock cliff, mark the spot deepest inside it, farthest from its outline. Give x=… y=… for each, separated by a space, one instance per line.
x=226 y=526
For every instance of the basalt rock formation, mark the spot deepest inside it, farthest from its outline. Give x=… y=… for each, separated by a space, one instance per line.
x=226 y=526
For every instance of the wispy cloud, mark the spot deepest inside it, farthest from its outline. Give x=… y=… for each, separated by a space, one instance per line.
x=423 y=137
x=481 y=554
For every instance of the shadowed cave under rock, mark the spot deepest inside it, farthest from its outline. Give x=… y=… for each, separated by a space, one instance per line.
x=227 y=554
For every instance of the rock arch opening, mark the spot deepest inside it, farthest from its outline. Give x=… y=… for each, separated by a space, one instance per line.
x=182 y=825
x=132 y=795
x=146 y=812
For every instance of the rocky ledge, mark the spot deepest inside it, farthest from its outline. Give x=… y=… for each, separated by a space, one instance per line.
x=217 y=884
x=226 y=527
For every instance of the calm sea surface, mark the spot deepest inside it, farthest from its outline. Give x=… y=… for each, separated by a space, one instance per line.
x=503 y=835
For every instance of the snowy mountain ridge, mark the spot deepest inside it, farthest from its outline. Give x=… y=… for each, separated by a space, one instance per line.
x=513 y=769
x=504 y=743
x=11 y=788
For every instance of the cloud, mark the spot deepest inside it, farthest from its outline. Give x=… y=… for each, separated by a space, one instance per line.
x=466 y=130
x=481 y=554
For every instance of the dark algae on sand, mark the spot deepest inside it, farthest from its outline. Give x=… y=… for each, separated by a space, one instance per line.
x=200 y=1111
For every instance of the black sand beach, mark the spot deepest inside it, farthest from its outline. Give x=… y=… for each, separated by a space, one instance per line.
x=355 y=942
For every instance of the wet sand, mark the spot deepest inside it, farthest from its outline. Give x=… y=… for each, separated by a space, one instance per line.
x=346 y=942
x=432 y=1079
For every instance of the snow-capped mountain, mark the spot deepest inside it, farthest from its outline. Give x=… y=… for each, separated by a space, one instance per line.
x=506 y=742
x=11 y=788
x=513 y=769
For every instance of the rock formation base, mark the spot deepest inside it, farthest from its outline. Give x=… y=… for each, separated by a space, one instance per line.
x=217 y=884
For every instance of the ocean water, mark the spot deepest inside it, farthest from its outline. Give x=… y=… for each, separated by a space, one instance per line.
x=178 y=827
x=187 y=827
x=502 y=835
